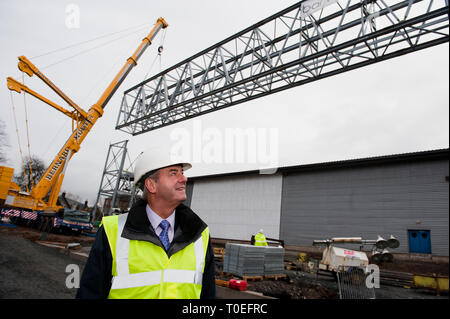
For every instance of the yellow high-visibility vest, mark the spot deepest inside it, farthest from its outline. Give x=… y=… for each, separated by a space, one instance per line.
x=142 y=270
x=260 y=240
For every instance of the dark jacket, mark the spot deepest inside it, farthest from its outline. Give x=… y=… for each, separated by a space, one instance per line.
x=96 y=279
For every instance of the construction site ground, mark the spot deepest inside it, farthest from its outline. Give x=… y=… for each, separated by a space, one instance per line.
x=33 y=271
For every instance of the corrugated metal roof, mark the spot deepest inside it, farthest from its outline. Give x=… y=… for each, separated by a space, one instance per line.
x=376 y=160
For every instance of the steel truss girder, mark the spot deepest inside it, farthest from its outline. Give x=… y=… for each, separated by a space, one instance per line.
x=285 y=50
x=115 y=180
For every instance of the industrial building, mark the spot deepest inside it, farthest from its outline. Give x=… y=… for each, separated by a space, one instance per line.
x=406 y=195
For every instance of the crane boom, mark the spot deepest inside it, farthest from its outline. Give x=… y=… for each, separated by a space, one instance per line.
x=54 y=175
x=26 y=66
x=19 y=87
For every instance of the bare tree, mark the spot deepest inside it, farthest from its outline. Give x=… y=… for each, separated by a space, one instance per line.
x=31 y=176
x=3 y=143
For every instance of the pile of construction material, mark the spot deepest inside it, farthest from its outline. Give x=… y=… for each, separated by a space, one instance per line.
x=273 y=261
x=247 y=260
x=244 y=260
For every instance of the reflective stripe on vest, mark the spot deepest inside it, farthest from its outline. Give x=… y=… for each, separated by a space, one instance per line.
x=122 y=254
x=260 y=240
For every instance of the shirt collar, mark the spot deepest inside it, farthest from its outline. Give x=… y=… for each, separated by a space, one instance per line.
x=155 y=219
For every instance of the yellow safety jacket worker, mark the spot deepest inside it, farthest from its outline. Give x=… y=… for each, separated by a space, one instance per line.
x=143 y=270
x=260 y=240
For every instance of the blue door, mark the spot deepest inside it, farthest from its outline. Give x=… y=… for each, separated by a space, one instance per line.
x=419 y=241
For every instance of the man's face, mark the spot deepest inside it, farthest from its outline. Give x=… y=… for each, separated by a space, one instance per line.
x=170 y=185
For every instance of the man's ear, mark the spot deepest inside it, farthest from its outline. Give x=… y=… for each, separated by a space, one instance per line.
x=150 y=184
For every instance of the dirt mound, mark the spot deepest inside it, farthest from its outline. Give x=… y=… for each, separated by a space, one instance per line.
x=292 y=290
x=293 y=287
x=33 y=235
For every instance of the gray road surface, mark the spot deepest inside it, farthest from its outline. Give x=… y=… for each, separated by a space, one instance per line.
x=32 y=271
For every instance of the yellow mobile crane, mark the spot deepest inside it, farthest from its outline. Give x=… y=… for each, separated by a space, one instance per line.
x=42 y=199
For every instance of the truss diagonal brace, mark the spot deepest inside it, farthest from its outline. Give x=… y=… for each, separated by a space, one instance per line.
x=290 y=48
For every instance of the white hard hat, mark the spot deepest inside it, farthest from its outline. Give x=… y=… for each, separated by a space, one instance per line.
x=154 y=159
x=261 y=231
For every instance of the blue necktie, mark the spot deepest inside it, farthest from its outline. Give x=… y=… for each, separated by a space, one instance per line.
x=164 y=235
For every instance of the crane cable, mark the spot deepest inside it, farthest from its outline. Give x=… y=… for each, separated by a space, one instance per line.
x=28 y=135
x=64 y=124
x=160 y=51
x=18 y=140
x=160 y=48
x=132 y=162
x=139 y=28
x=87 y=41
x=120 y=59
x=91 y=49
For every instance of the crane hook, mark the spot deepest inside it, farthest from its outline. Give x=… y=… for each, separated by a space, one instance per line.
x=160 y=49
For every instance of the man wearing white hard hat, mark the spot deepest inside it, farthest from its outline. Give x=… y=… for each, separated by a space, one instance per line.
x=160 y=249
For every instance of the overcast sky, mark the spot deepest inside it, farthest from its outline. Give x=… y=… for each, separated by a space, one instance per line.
x=393 y=107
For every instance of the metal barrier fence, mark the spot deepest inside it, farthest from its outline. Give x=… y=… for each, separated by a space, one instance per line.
x=352 y=283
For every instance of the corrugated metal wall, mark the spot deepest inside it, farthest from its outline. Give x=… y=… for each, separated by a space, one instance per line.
x=237 y=207
x=189 y=189
x=366 y=201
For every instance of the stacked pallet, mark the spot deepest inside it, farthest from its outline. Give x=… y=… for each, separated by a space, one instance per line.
x=244 y=260
x=230 y=260
x=248 y=260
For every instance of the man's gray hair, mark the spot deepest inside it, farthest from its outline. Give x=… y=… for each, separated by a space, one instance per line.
x=153 y=175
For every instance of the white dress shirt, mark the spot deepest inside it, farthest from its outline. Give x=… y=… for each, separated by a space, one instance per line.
x=155 y=219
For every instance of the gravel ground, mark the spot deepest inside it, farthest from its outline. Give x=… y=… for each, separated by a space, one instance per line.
x=303 y=285
x=384 y=292
x=32 y=271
